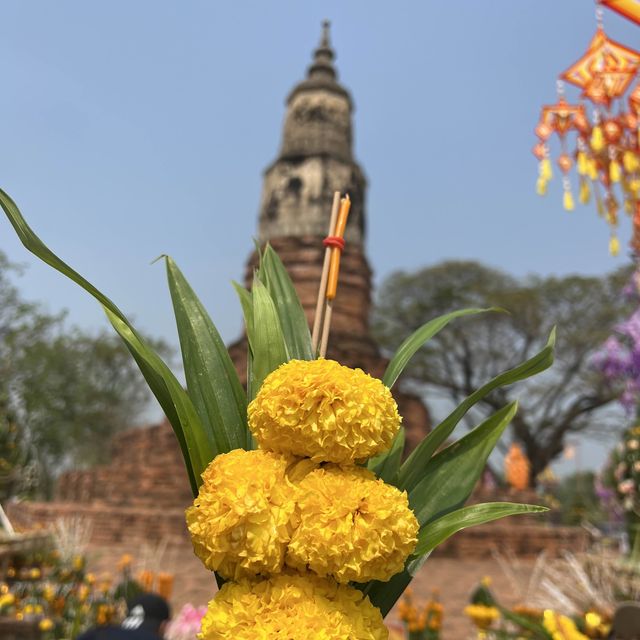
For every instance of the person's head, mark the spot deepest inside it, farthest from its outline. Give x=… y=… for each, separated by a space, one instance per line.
x=147 y=611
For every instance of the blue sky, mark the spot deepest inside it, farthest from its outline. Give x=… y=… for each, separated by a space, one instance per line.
x=131 y=129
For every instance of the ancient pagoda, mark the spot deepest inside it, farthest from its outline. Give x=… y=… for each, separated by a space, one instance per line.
x=315 y=160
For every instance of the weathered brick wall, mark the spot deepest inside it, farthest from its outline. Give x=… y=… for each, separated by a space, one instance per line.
x=115 y=525
x=146 y=471
x=522 y=538
x=111 y=524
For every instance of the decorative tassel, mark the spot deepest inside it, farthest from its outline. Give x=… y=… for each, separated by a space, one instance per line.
x=597 y=138
x=593 y=169
x=583 y=163
x=615 y=171
x=612 y=211
x=630 y=161
x=541 y=187
x=545 y=169
x=585 y=192
x=567 y=200
x=614 y=246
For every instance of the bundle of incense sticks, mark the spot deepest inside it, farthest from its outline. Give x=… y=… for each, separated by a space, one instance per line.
x=334 y=243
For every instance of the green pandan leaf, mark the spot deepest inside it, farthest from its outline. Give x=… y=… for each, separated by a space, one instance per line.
x=385 y=594
x=212 y=380
x=246 y=300
x=293 y=320
x=436 y=532
x=450 y=476
x=173 y=399
x=386 y=464
x=412 y=469
x=194 y=443
x=417 y=339
x=268 y=344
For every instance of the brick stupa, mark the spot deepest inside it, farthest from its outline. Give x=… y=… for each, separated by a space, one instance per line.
x=315 y=160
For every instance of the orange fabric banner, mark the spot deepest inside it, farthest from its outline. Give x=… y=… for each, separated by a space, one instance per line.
x=628 y=8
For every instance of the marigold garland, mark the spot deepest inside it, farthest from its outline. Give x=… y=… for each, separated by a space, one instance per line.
x=295 y=607
x=322 y=410
x=240 y=521
x=351 y=526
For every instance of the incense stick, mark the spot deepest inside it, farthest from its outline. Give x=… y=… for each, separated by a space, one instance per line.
x=317 y=319
x=331 y=286
x=326 y=325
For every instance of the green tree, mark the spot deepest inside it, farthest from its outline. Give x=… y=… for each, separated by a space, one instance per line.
x=570 y=398
x=63 y=393
x=578 y=500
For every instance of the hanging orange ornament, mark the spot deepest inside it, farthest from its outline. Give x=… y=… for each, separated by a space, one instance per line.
x=603 y=145
x=517 y=468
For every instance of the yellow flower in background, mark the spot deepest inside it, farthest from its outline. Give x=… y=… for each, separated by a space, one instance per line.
x=125 y=562
x=49 y=592
x=295 y=607
x=46 y=624
x=6 y=600
x=240 y=521
x=83 y=592
x=350 y=525
x=322 y=410
x=560 y=627
x=481 y=615
x=79 y=562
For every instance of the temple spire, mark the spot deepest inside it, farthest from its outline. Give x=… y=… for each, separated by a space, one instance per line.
x=323 y=56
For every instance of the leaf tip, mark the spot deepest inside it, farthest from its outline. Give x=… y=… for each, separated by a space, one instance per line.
x=160 y=257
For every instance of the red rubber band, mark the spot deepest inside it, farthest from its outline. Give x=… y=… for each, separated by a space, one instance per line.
x=334 y=241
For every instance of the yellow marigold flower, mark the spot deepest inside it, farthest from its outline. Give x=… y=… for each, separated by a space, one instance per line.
x=295 y=607
x=239 y=523
x=560 y=627
x=6 y=600
x=483 y=617
x=350 y=525
x=46 y=624
x=321 y=410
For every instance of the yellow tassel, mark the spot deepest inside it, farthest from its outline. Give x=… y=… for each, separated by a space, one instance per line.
x=630 y=161
x=567 y=200
x=593 y=169
x=614 y=246
x=583 y=163
x=634 y=185
x=585 y=193
x=541 y=186
x=597 y=139
x=546 y=173
x=615 y=171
